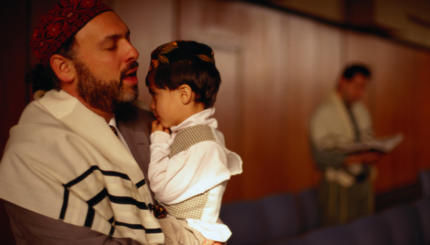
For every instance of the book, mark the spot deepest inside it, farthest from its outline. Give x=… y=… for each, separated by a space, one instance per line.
x=383 y=145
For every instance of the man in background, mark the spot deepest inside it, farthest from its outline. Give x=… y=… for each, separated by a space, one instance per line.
x=340 y=120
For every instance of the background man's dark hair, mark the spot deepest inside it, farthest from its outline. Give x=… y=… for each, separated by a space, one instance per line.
x=351 y=70
x=42 y=77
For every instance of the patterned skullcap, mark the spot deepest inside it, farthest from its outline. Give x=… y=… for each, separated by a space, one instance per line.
x=61 y=23
x=171 y=52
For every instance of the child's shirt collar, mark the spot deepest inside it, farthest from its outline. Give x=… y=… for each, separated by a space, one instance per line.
x=204 y=117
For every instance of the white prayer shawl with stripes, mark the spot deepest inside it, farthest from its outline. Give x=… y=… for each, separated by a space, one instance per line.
x=331 y=129
x=63 y=161
x=331 y=126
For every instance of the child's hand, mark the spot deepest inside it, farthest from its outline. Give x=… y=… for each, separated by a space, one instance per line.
x=210 y=242
x=156 y=126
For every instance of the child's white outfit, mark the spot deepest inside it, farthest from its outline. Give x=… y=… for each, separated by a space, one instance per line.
x=189 y=170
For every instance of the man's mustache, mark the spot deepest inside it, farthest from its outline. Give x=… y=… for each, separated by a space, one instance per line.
x=128 y=68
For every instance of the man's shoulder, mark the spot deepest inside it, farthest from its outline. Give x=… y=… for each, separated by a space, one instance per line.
x=131 y=113
x=134 y=118
x=34 y=120
x=38 y=134
x=325 y=106
x=360 y=106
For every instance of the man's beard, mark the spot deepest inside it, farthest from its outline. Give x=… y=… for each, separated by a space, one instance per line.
x=101 y=94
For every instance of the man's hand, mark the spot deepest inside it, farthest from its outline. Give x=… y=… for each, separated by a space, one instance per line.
x=156 y=126
x=372 y=157
x=368 y=157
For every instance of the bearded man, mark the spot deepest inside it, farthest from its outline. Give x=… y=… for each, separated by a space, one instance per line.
x=67 y=175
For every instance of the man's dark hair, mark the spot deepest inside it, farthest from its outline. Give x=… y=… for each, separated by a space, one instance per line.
x=42 y=77
x=188 y=63
x=351 y=70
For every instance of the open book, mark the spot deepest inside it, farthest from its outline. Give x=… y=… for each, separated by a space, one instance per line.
x=385 y=145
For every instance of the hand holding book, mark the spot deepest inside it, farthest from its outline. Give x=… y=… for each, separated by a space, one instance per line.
x=383 y=145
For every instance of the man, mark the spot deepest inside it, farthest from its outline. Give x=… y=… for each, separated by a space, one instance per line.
x=67 y=176
x=341 y=120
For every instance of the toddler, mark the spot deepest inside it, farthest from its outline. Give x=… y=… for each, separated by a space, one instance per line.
x=190 y=165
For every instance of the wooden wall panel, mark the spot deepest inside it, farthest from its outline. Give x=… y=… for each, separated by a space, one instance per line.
x=151 y=24
x=285 y=66
x=276 y=67
x=14 y=17
x=13 y=63
x=288 y=64
x=420 y=111
x=312 y=58
x=397 y=70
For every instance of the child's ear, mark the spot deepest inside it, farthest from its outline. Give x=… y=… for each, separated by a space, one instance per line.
x=63 y=68
x=186 y=94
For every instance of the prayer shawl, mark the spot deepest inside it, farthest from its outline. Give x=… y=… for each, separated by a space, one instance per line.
x=332 y=128
x=63 y=161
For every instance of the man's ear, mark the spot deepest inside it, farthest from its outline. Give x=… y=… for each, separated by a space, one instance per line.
x=63 y=68
x=186 y=94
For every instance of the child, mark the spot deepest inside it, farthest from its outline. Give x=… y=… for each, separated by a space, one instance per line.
x=190 y=164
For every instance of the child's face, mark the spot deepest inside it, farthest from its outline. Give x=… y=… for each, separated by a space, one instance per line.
x=166 y=106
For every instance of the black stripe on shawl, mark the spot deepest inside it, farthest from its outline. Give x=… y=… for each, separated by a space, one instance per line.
x=65 y=202
x=90 y=217
x=128 y=200
x=91 y=170
x=98 y=198
x=112 y=228
x=116 y=199
x=138 y=227
x=140 y=183
x=86 y=174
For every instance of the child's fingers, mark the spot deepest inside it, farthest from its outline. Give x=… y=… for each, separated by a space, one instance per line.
x=156 y=126
x=208 y=242
x=211 y=242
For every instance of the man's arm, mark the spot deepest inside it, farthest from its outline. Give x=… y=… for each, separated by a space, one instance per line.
x=32 y=228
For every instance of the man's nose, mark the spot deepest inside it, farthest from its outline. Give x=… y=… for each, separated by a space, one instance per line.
x=132 y=53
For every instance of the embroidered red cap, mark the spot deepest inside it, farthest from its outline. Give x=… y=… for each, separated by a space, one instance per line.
x=61 y=23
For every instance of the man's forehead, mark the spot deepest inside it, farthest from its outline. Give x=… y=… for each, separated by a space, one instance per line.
x=360 y=78
x=103 y=26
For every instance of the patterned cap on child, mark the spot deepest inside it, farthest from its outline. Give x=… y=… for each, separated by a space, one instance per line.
x=61 y=23
x=171 y=52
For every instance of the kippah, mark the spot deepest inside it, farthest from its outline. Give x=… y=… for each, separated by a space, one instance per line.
x=174 y=51
x=61 y=23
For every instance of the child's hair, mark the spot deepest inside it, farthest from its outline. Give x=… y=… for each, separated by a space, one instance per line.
x=185 y=62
